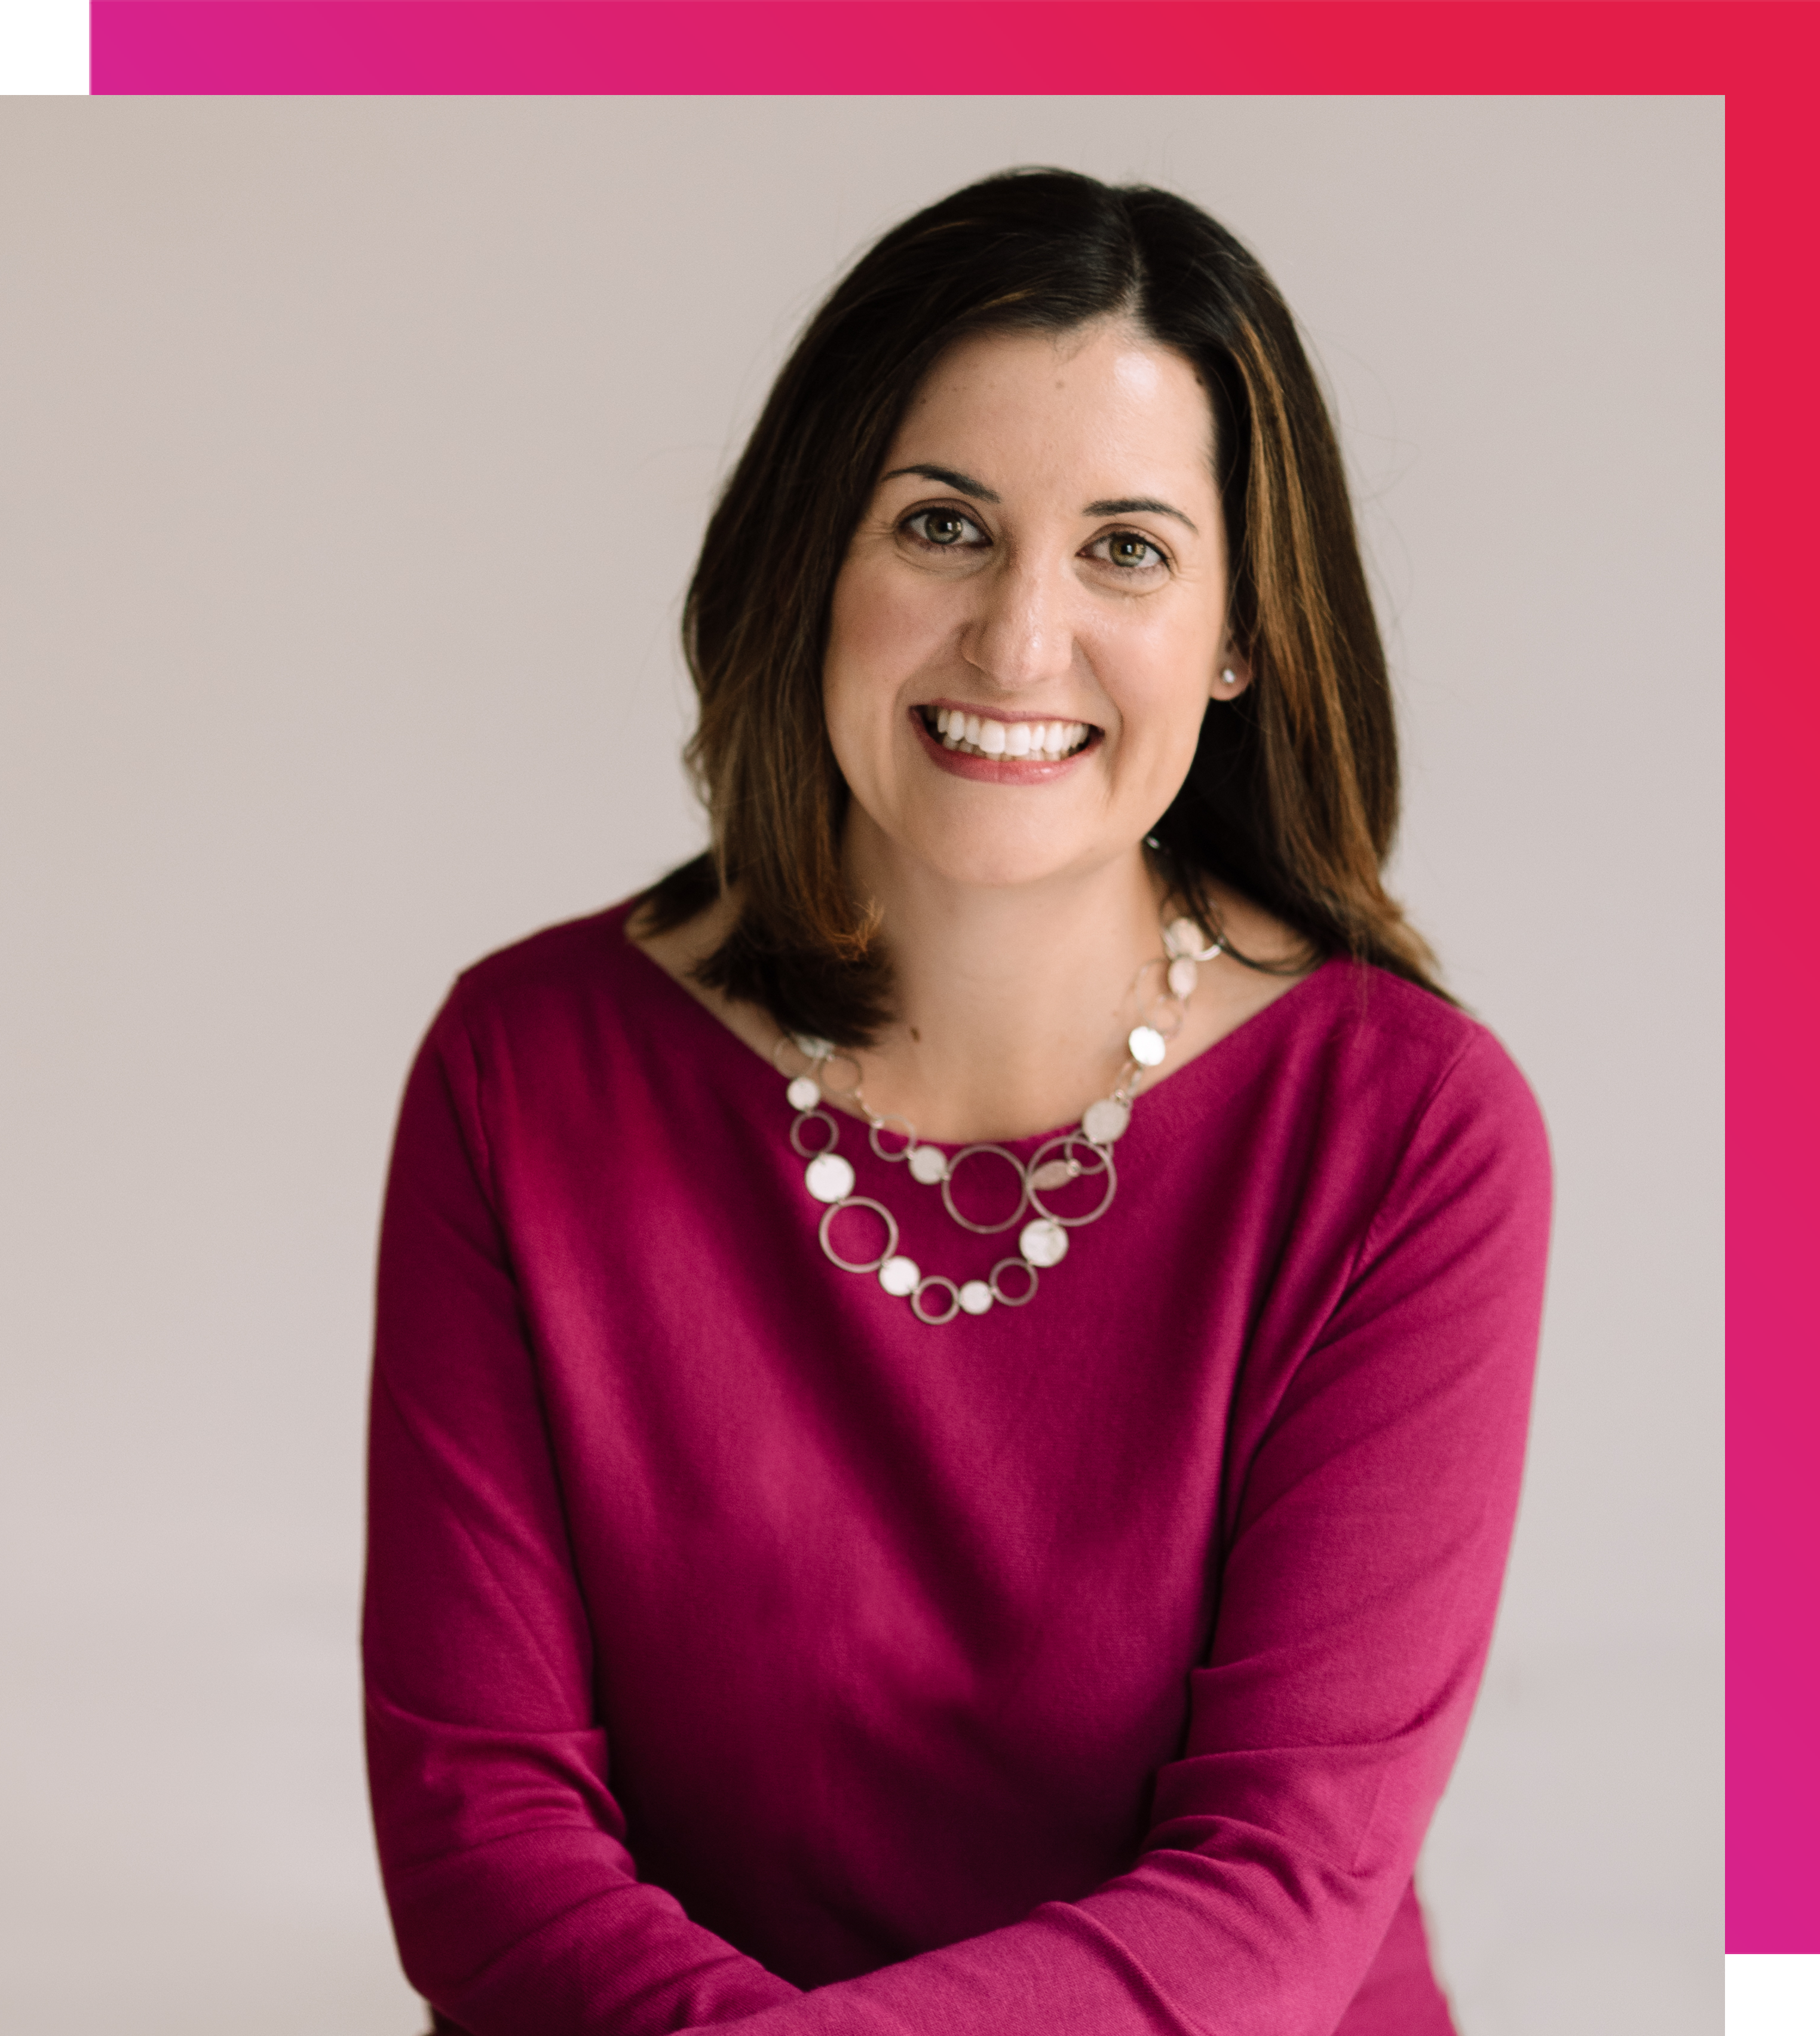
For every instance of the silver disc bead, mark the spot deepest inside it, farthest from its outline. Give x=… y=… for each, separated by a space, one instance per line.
x=1103 y=1121
x=1043 y=1242
x=829 y=1178
x=900 y=1276
x=1147 y=1046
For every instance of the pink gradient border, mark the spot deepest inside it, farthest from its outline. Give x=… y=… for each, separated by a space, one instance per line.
x=1767 y=62
x=915 y=46
x=1763 y=56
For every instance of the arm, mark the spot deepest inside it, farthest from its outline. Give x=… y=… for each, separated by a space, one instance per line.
x=1373 y=1485
x=516 y=1904
x=1372 y=1479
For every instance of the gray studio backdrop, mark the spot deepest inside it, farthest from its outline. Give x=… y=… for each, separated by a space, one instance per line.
x=354 y=455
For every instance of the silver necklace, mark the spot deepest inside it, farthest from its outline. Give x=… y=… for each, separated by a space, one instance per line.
x=1085 y=1152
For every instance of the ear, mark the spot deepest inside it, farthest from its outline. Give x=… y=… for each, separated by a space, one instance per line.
x=1231 y=673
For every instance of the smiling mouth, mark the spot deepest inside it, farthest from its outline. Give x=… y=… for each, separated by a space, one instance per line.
x=974 y=735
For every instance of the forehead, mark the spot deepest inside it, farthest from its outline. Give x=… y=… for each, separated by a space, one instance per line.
x=1103 y=391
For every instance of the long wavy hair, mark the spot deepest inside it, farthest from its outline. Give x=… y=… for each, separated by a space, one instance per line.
x=1292 y=797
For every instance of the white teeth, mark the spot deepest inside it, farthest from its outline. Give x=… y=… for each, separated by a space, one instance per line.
x=1053 y=739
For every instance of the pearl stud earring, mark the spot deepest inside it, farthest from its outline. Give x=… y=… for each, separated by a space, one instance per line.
x=1229 y=676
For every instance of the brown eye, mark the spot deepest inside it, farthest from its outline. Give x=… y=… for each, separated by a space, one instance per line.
x=947 y=528
x=1126 y=548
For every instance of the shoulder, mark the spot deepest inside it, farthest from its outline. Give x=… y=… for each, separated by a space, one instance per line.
x=581 y=975
x=1397 y=1090
x=1454 y=1119
x=1402 y=1041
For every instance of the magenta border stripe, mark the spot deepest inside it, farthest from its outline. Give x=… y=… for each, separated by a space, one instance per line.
x=899 y=46
x=1772 y=1089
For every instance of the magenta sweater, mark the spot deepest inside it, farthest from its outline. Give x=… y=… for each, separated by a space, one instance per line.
x=741 y=1650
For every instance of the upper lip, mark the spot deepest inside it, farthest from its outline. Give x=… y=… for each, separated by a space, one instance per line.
x=1003 y=715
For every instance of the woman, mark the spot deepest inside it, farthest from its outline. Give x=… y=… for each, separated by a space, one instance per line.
x=823 y=1579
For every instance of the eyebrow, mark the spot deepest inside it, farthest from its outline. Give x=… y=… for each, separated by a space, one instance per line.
x=964 y=484
x=961 y=484
x=1130 y=505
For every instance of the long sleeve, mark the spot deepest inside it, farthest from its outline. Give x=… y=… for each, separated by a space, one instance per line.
x=1370 y=1518
x=516 y=1904
x=1086 y=1674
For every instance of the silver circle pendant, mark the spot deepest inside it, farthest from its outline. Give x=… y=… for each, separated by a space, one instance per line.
x=804 y=1093
x=1044 y=1242
x=976 y=1297
x=967 y=1222
x=1000 y=1294
x=882 y=1127
x=884 y=1256
x=929 y=1286
x=1088 y=1162
x=829 y=1178
x=828 y=1124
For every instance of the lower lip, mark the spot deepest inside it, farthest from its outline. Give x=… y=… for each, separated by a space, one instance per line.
x=998 y=769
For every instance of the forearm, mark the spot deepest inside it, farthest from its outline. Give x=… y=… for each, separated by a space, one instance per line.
x=516 y=1904
x=1183 y=1946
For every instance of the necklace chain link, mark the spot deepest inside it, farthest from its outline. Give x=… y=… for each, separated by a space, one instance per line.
x=1085 y=1152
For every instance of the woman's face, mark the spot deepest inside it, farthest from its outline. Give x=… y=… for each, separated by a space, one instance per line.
x=1030 y=617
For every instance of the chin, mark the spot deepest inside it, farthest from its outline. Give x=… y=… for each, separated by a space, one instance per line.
x=988 y=860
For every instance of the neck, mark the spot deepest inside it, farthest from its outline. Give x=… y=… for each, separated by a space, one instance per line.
x=1012 y=1002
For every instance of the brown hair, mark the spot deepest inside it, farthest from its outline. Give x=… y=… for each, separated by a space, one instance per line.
x=1292 y=797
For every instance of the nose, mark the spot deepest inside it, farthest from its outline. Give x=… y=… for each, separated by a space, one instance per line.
x=1022 y=634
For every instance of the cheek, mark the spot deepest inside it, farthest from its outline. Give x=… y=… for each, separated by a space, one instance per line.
x=1164 y=685
x=865 y=665
x=884 y=632
x=885 y=622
